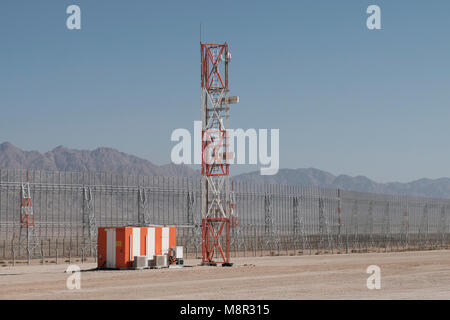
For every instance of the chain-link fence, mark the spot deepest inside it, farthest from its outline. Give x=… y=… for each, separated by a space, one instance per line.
x=273 y=219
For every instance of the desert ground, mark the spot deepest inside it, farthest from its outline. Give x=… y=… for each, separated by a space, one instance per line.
x=404 y=275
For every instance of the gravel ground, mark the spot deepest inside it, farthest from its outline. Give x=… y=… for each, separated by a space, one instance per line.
x=405 y=275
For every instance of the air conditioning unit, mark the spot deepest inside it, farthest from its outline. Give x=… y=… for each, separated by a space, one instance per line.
x=140 y=262
x=161 y=261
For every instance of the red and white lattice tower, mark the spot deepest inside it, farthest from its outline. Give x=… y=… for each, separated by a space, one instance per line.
x=27 y=236
x=216 y=208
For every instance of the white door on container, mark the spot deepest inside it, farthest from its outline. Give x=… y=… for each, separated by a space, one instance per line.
x=111 y=248
x=165 y=241
x=150 y=243
x=136 y=242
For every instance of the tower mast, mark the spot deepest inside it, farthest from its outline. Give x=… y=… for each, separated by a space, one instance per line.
x=216 y=209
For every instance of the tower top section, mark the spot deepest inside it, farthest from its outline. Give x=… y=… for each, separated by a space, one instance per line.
x=214 y=73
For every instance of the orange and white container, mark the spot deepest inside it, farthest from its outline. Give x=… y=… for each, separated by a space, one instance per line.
x=117 y=246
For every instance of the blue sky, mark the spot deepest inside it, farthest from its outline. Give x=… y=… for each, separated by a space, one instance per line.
x=346 y=99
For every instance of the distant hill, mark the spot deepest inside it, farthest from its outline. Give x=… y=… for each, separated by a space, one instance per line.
x=111 y=160
x=438 y=188
x=100 y=159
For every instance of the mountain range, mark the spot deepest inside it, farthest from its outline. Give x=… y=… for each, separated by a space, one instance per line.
x=111 y=160
x=100 y=159
x=437 y=188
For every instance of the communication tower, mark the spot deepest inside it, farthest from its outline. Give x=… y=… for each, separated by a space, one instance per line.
x=216 y=204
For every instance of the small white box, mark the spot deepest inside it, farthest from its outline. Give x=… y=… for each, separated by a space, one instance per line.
x=177 y=252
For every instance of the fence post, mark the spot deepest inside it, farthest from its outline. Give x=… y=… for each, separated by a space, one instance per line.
x=56 y=251
x=12 y=245
x=346 y=242
x=42 y=253
x=14 y=256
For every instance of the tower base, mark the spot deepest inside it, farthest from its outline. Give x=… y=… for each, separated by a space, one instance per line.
x=213 y=235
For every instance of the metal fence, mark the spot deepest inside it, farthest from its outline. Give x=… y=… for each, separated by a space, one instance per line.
x=273 y=219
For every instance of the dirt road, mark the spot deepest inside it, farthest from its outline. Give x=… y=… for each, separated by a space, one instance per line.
x=406 y=275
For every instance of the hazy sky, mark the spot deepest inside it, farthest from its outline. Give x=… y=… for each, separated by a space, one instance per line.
x=346 y=99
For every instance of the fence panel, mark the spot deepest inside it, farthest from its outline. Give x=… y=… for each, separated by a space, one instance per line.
x=273 y=219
